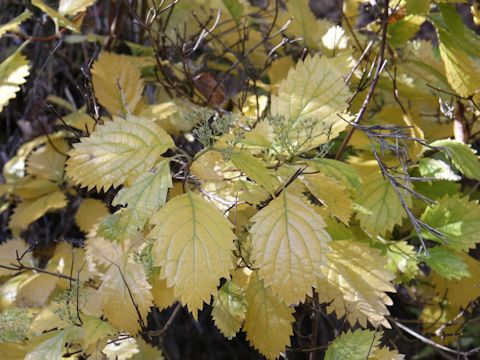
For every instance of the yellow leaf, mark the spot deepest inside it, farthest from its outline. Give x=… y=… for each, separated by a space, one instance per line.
x=354 y=282
x=35 y=290
x=121 y=349
x=385 y=353
x=209 y=166
x=117 y=83
x=14 y=24
x=255 y=170
x=163 y=296
x=28 y=211
x=95 y=330
x=289 y=246
x=311 y=98
x=304 y=24
x=48 y=319
x=331 y=194
x=90 y=212
x=80 y=120
x=117 y=151
x=72 y=7
x=125 y=290
x=279 y=70
x=13 y=73
x=193 y=246
x=13 y=351
x=229 y=309
x=8 y=254
x=30 y=188
x=99 y=249
x=268 y=321
x=47 y=161
x=379 y=208
x=147 y=351
x=59 y=19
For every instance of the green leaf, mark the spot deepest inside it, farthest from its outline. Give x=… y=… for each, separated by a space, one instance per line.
x=14 y=24
x=457 y=218
x=229 y=308
x=436 y=169
x=193 y=247
x=117 y=151
x=404 y=29
x=13 y=73
x=310 y=100
x=255 y=170
x=462 y=156
x=289 y=246
x=357 y=345
x=146 y=195
x=235 y=8
x=339 y=170
x=379 y=208
x=446 y=263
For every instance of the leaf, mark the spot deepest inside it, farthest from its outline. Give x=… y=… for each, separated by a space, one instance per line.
x=354 y=282
x=402 y=260
x=35 y=290
x=313 y=94
x=28 y=211
x=446 y=263
x=89 y=213
x=13 y=351
x=456 y=218
x=121 y=349
x=355 y=345
x=14 y=24
x=193 y=246
x=331 y=194
x=124 y=291
x=235 y=8
x=13 y=73
x=8 y=254
x=229 y=308
x=72 y=7
x=255 y=170
x=163 y=296
x=95 y=330
x=462 y=156
x=47 y=161
x=339 y=170
x=385 y=353
x=146 y=195
x=52 y=344
x=436 y=169
x=268 y=321
x=289 y=245
x=379 y=208
x=117 y=83
x=117 y=151
x=304 y=24
x=147 y=351
x=59 y=19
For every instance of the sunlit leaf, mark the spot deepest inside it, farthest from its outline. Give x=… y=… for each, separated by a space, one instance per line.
x=13 y=73
x=229 y=308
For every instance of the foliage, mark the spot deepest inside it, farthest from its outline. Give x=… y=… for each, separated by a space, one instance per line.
x=284 y=172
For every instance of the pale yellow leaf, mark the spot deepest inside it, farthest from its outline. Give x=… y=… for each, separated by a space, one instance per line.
x=118 y=150
x=28 y=211
x=193 y=246
x=289 y=246
x=59 y=19
x=209 y=166
x=35 y=290
x=9 y=250
x=13 y=351
x=14 y=24
x=117 y=83
x=30 y=188
x=121 y=349
x=52 y=345
x=229 y=308
x=147 y=351
x=378 y=206
x=90 y=212
x=163 y=296
x=48 y=319
x=48 y=161
x=72 y=7
x=354 y=282
x=268 y=321
x=125 y=289
x=331 y=194
x=385 y=353
x=95 y=330
x=311 y=98
x=13 y=73
x=100 y=250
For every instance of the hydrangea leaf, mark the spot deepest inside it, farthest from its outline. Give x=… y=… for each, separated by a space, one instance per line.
x=13 y=73
x=268 y=321
x=311 y=97
x=355 y=345
x=289 y=243
x=462 y=156
x=28 y=211
x=90 y=212
x=331 y=194
x=446 y=263
x=146 y=195
x=118 y=150
x=229 y=308
x=124 y=291
x=193 y=247
x=378 y=206
x=457 y=218
x=354 y=282
x=117 y=83
x=343 y=172
x=255 y=170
